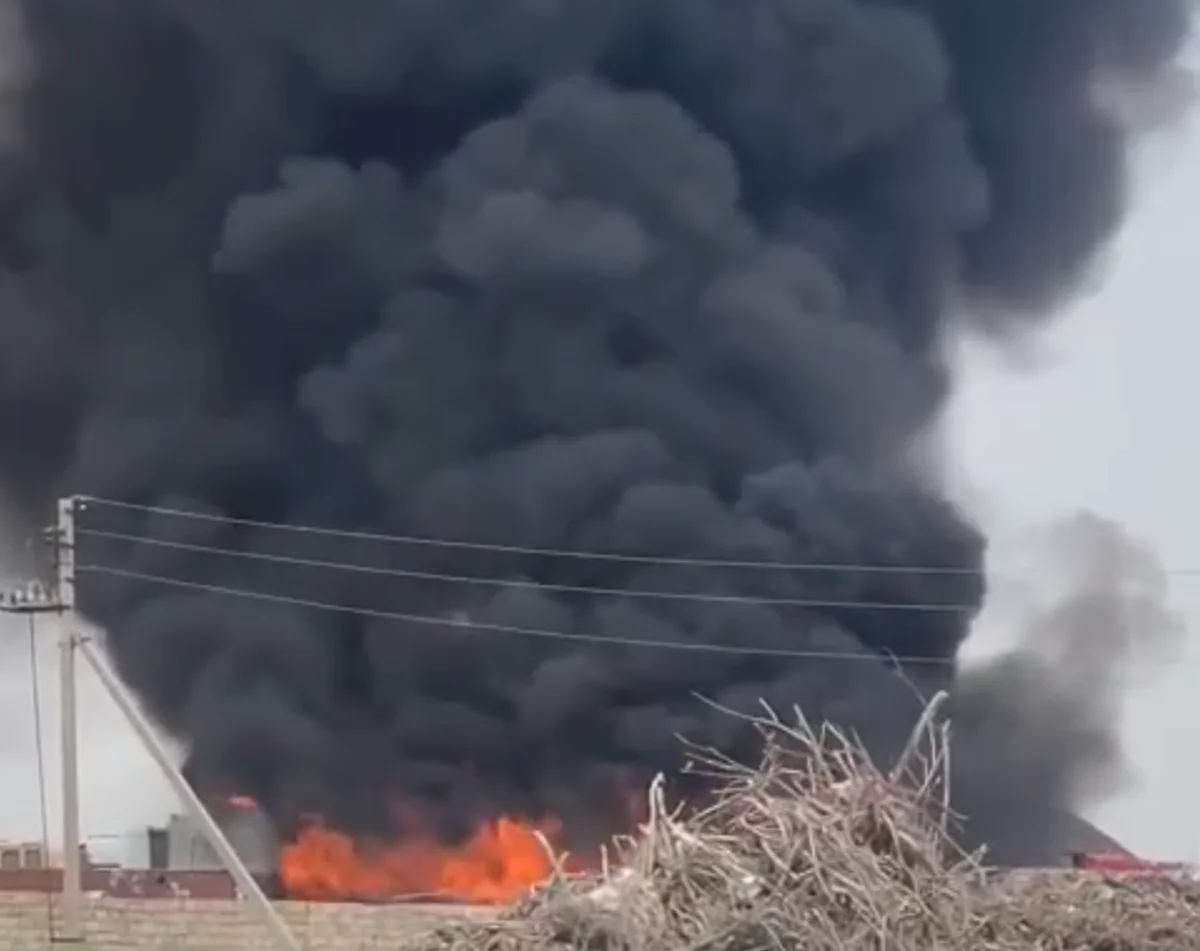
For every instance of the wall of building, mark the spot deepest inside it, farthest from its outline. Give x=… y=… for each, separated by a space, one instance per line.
x=248 y=830
x=30 y=922
x=128 y=883
x=20 y=856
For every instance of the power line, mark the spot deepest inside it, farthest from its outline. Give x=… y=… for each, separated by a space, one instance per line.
x=390 y=572
x=462 y=623
x=498 y=548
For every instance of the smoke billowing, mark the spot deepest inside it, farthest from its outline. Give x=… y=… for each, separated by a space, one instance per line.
x=665 y=278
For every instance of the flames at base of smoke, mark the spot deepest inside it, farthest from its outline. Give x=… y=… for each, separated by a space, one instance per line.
x=667 y=282
x=498 y=863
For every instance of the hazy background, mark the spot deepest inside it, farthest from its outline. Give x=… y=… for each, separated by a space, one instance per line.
x=1101 y=415
x=1096 y=415
x=1106 y=422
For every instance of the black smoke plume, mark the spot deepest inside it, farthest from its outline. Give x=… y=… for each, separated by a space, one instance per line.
x=655 y=278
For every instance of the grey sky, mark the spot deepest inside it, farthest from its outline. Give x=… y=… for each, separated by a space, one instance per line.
x=1101 y=420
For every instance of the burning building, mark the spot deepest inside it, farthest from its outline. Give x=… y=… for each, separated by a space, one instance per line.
x=590 y=348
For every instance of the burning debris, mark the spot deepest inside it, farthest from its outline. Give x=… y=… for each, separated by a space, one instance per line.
x=501 y=861
x=609 y=334
x=819 y=849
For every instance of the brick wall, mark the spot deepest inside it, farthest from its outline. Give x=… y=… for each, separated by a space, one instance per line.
x=29 y=922
x=128 y=883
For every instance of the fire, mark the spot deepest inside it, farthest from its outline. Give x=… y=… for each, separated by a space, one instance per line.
x=498 y=863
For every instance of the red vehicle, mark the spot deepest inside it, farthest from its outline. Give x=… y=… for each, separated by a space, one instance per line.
x=1123 y=864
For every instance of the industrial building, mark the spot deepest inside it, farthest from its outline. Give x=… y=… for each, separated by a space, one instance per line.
x=181 y=844
x=18 y=856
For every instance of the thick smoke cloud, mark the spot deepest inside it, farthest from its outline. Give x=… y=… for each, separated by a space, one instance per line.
x=666 y=279
x=1097 y=620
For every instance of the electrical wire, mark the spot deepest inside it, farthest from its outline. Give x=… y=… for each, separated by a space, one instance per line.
x=698 y=596
x=462 y=623
x=35 y=694
x=497 y=548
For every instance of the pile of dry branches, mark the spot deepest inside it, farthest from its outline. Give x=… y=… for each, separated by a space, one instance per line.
x=819 y=850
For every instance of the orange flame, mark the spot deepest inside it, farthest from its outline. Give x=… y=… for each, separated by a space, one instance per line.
x=501 y=861
x=498 y=863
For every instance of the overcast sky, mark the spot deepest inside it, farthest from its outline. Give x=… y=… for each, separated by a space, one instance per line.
x=1104 y=420
x=1101 y=419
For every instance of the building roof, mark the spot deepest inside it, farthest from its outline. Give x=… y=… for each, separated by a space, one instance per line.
x=1085 y=836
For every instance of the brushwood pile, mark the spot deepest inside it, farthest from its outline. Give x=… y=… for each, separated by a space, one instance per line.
x=819 y=849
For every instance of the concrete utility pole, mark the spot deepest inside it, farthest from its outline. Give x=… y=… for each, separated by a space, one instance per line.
x=64 y=559
x=75 y=637
x=34 y=599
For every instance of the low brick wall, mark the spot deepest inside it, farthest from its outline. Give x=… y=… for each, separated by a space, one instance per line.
x=126 y=883
x=31 y=922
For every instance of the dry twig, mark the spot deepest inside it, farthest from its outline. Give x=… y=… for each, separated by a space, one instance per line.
x=817 y=849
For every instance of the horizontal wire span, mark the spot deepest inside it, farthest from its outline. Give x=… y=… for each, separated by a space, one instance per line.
x=498 y=548
x=698 y=596
x=463 y=623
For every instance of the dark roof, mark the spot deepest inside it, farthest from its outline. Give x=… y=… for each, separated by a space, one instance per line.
x=1046 y=845
x=1083 y=836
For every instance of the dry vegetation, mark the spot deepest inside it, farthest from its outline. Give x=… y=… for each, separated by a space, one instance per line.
x=819 y=850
